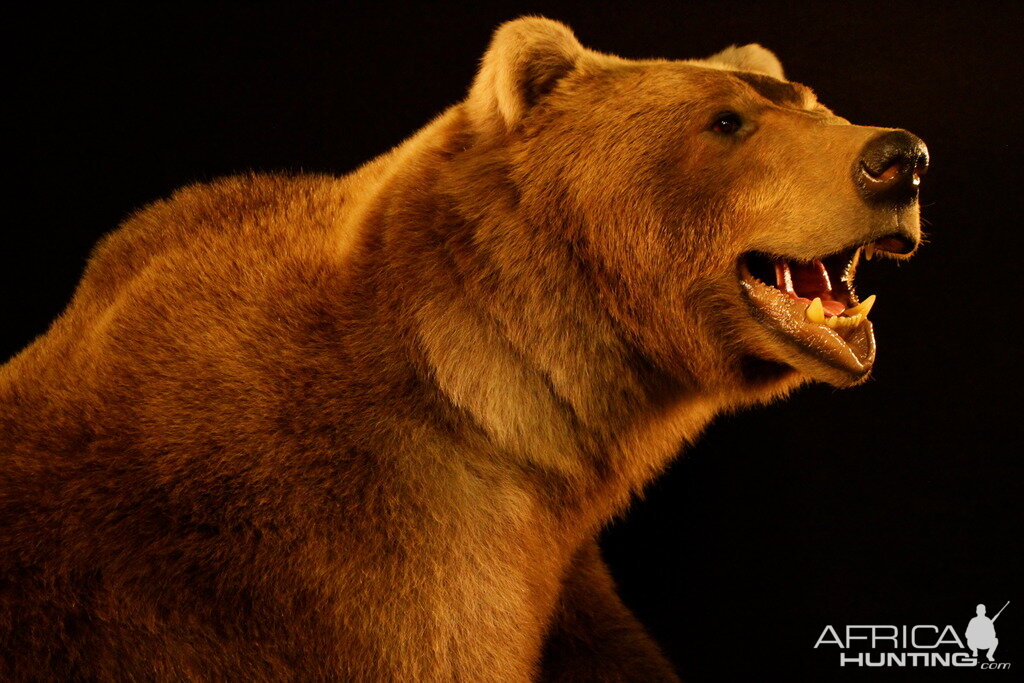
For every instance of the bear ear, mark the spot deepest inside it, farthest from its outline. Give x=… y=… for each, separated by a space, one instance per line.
x=750 y=57
x=525 y=60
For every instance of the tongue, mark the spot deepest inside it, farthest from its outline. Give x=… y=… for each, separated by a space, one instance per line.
x=807 y=281
x=832 y=307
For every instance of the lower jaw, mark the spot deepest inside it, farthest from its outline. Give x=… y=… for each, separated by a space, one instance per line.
x=811 y=350
x=839 y=372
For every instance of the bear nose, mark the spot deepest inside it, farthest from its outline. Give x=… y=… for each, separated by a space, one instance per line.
x=890 y=168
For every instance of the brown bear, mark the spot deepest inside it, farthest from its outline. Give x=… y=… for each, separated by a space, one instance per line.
x=367 y=428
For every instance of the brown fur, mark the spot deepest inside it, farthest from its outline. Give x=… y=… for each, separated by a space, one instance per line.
x=367 y=428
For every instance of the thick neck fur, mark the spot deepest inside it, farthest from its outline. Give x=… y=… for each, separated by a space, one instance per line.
x=509 y=326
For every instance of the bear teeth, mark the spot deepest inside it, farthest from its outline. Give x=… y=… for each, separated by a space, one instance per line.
x=815 y=311
x=842 y=322
x=863 y=308
x=851 y=317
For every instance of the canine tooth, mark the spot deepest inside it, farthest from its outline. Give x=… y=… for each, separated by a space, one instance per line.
x=815 y=311
x=869 y=251
x=863 y=308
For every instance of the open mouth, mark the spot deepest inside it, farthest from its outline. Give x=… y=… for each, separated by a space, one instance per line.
x=813 y=309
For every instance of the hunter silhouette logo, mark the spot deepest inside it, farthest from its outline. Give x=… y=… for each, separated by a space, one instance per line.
x=921 y=645
x=981 y=633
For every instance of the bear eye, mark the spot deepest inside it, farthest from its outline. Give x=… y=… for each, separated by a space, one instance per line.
x=727 y=123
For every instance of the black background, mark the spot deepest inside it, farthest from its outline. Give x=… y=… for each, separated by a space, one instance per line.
x=896 y=502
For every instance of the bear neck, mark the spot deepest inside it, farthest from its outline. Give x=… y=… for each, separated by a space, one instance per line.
x=504 y=323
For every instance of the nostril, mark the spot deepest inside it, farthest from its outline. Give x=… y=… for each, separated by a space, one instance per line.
x=890 y=168
x=889 y=172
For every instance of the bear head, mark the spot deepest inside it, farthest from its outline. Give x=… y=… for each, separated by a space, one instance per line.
x=718 y=208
